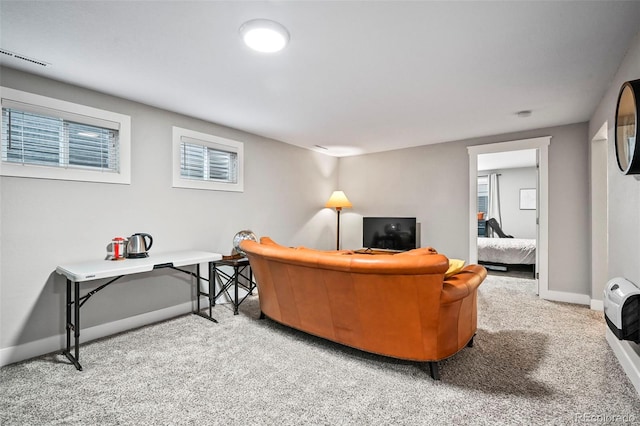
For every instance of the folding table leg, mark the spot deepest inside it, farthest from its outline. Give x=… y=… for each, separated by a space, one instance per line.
x=75 y=325
x=199 y=293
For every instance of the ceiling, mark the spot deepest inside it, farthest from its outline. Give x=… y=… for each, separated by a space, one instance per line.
x=357 y=77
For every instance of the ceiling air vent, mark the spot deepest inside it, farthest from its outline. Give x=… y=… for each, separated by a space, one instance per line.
x=24 y=58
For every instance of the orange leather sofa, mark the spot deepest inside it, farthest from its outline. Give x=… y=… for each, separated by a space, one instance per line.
x=400 y=305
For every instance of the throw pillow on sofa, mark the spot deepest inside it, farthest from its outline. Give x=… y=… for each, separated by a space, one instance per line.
x=455 y=266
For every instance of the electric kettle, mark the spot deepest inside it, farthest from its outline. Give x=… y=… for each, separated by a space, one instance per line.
x=137 y=246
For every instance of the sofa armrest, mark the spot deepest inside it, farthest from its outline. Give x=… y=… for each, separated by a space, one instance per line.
x=267 y=241
x=462 y=284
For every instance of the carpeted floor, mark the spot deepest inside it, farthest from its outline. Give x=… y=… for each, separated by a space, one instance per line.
x=533 y=362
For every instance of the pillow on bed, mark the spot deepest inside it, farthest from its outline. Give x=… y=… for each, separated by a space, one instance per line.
x=455 y=266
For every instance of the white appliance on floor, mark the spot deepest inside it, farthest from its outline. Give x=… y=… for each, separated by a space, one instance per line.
x=622 y=309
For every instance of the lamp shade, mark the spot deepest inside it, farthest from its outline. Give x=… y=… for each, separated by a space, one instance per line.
x=338 y=200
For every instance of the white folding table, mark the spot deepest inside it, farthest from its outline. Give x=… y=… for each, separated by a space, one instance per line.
x=116 y=269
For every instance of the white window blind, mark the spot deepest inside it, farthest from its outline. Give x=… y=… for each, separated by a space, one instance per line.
x=51 y=140
x=201 y=162
x=483 y=194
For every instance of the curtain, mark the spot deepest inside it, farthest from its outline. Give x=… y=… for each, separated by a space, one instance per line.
x=494 y=201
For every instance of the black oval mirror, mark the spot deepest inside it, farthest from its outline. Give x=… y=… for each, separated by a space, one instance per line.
x=627 y=128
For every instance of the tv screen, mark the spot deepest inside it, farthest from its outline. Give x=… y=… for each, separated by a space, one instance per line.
x=389 y=233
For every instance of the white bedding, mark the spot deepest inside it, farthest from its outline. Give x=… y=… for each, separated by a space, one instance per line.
x=507 y=250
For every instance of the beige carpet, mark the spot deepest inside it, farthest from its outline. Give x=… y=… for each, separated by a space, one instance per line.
x=534 y=362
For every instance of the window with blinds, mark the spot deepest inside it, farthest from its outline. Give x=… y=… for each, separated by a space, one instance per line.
x=49 y=138
x=483 y=194
x=203 y=161
x=30 y=138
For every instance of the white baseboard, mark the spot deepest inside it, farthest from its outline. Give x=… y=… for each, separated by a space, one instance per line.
x=597 y=305
x=47 y=345
x=628 y=358
x=561 y=296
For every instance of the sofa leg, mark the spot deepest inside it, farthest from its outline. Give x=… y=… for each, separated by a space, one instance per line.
x=433 y=367
x=470 y=344
x=262 y=315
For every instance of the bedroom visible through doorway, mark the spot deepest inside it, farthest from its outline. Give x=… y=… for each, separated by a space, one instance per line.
x=507 y=212
x=508 y=208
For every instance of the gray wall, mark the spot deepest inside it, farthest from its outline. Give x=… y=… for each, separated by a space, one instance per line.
x=46 y=222
x=623 y=191
x=431 y=182
x=516 y=222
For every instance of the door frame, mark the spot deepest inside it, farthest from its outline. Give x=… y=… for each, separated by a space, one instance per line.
x=542 y=248
x=599 y=216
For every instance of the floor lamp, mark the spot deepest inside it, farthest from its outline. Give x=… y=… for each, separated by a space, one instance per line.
x=338 y=201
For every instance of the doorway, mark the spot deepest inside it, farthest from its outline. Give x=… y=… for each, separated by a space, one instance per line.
x=507 y=212
x=541 y=146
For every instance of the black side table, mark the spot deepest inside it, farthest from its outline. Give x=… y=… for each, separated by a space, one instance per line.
x=241 y=268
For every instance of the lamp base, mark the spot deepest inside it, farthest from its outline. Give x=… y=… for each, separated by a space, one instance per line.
x=338 y=231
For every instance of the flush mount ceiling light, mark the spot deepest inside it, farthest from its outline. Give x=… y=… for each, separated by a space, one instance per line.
x=264 y=35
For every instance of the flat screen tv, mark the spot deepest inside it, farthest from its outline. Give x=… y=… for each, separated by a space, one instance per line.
x=389 y=233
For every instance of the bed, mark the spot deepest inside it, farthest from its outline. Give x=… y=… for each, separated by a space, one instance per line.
x=507 y=251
